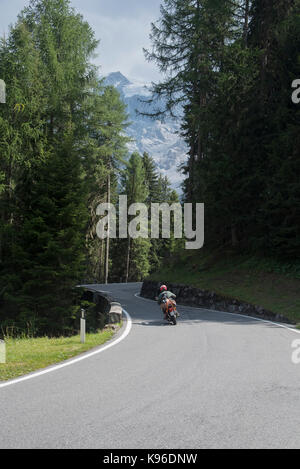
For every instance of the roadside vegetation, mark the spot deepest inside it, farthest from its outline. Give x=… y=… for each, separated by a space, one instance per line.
x=260 y=281
x=62 y=153
x=25 y=355
x=227 y=68
x=231 y=64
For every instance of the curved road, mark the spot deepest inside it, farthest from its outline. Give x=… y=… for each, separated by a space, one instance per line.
x=214 y=381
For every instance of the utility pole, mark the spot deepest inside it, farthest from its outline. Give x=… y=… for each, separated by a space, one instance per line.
x=108 y=227
x=2 y=101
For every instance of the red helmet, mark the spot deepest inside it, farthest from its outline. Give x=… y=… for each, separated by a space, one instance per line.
x=163 y=288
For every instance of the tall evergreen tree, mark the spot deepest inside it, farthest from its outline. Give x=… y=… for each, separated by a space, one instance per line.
x=224 y=62
x=137 y=257
x=188 y=43
x=105 y=155
x=151 y=177
x=279 y=218
x=47 y=53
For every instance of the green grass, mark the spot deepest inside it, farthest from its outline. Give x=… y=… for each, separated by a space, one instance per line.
x=25 y=355
x=264 y=282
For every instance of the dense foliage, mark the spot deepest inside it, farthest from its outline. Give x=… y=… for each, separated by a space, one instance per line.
x=228 y=68
x=62 y=151
x=230 y=64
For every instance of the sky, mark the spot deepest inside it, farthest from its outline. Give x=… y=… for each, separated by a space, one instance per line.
x=123 y=27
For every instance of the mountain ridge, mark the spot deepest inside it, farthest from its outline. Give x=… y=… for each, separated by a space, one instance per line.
x=158 y=138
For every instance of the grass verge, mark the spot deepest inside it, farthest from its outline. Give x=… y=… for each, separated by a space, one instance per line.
x=262 y=282
x=26 y=355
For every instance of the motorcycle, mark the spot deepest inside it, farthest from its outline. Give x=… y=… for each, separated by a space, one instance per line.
x=172 y=314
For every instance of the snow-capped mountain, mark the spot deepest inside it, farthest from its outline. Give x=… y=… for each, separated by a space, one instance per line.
x=155 y=137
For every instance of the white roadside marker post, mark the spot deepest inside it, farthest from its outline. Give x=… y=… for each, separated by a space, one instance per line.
x=2 y=352
x=82 y=327
x=2 y=92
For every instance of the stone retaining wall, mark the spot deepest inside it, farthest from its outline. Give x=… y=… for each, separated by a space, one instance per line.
x=192 y=296
x=106 y=306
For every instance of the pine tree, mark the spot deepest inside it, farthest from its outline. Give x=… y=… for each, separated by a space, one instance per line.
x=137 y=256
x=23 y=149
x=151 y=177
x=188 y=44
x=47 y=59
x=108 y=134
x=104 y=153
x=279 y=217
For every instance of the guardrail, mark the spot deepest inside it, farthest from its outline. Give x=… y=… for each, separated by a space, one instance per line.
x=105 y=304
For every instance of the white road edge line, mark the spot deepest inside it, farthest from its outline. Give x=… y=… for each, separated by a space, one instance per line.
x=137 y=295
x=75 y=360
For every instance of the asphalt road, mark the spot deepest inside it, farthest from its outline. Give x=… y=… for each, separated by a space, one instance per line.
x=214 y=381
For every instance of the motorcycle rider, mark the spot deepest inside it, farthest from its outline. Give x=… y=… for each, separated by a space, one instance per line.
x=164 y=294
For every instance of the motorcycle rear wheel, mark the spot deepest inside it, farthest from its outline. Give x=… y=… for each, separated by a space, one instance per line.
x=174 y=320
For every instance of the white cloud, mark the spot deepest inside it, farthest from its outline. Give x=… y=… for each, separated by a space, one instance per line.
x=121 y=46
x=123 y=26
x=9 y=11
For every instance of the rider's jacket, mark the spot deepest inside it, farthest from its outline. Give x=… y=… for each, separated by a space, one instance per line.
x=164 y=295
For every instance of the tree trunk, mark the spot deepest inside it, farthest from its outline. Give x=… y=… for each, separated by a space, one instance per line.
x=101 y=262
x=7 y=213
x=234 y=238
x=246 y=22
x=128 y=259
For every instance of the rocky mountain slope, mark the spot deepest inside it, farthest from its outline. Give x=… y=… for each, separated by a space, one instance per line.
x=159 y=139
